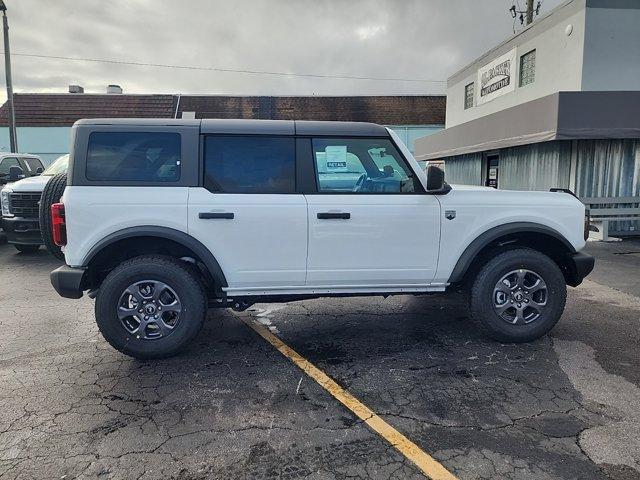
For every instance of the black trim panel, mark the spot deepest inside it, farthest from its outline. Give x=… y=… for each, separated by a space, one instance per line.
x=579 y=266
x=492 y=234
x=339 y=129
x=305 y=170
x=334 y=215
x=216 y=215
x=170 y=234
x=67 y=281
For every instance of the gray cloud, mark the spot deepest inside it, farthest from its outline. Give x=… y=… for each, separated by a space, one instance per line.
x=425 y=39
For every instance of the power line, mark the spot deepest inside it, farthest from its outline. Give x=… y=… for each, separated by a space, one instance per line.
x=225 y=70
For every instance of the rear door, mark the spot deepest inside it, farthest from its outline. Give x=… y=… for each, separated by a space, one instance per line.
x=370 y=223
x=249 y=213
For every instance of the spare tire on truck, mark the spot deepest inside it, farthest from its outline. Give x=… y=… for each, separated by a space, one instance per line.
x=51 y=194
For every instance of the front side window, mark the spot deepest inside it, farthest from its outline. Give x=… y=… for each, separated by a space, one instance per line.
x=59 y=166
x=245 y=164
x=362 y=165
x=33 y=164
x=468 y=96
x=528 y=68
x=6 y=164
x=134 y=156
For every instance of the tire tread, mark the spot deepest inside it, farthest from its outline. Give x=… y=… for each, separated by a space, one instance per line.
x=51 y=194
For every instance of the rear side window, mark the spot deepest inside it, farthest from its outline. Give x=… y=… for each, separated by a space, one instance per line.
x=134 y=156
x=242 y=164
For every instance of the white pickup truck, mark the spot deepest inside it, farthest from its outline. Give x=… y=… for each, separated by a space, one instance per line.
x=162 y=219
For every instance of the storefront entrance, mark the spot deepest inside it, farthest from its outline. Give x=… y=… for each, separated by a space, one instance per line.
x=492 y=167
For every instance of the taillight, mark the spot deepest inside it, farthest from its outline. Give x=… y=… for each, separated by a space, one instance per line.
x=58 y=225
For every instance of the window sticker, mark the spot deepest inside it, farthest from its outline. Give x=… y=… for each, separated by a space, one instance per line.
x=336 y=158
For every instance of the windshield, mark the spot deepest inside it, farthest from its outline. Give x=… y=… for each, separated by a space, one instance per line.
x=59 y=166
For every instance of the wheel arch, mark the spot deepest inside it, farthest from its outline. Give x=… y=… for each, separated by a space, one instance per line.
x=534 y=235
x=168 y=237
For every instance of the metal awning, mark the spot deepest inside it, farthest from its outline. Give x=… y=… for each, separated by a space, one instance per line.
x=561 y=116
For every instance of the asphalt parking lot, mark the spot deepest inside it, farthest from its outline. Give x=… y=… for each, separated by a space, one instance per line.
x=564 y=407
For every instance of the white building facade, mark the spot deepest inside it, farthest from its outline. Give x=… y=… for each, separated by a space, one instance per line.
x=554 y=106
x=583 y=45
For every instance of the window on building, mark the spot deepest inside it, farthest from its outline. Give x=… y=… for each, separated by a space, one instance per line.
x=362 y=165
x=528 y=68
x=134 y=156
x=241 y=164
x=469 y=91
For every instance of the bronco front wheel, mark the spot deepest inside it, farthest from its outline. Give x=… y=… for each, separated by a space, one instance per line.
x=519 y=295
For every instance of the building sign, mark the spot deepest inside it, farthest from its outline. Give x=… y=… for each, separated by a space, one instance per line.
x=497 y=78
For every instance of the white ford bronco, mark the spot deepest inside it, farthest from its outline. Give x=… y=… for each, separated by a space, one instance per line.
x=162 y=219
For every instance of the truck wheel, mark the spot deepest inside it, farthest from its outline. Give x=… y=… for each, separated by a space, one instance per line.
x=26 y=248
x=151 y=306
x=51 y=194
x=519 y=295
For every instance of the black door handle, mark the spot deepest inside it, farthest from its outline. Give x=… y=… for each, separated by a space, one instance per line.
x=208 y=215
x=339 y=215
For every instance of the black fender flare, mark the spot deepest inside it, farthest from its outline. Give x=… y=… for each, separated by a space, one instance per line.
x=177 y=236
x=485 y=238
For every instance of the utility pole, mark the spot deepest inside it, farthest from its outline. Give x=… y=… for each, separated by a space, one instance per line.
x=525 y=16
x=13 y=140
x=529 y=12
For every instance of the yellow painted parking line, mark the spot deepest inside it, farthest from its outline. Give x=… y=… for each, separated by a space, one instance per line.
x=425 y=462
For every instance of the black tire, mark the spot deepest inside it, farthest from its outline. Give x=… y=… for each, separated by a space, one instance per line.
x=175 y=274
x=483 y=296
x=26 y=248
x=51 y=194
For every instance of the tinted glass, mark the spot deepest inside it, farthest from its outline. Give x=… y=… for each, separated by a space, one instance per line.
x=238 y=164
x=59 y=166
x=363 y=165
x=6 y=164
x=134 y=156
x=33 y=164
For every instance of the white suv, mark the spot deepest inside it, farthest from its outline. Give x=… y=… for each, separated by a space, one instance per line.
x=161 y=220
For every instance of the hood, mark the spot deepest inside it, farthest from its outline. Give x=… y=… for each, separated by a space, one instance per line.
x=29 y=184
x=476 y=188
x=489 y=196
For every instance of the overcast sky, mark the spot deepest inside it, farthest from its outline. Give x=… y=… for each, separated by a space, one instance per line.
x=409 y=39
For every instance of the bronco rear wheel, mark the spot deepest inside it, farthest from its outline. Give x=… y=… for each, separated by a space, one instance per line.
x=519 y=295
x=151 y=306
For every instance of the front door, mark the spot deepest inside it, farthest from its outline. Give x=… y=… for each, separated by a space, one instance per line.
x=248 y=213
x=370 y=223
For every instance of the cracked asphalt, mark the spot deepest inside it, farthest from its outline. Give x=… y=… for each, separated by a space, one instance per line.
x=564 y=407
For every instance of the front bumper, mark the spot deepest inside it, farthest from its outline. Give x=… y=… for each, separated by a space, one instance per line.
x=578 y=266
x=68 y=281
x=24 y=231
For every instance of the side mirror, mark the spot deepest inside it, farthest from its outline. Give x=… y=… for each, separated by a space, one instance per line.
x=39 y=170
x=435 y=180
x=15 y=174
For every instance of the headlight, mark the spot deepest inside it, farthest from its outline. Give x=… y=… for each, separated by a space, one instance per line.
x=4 y=199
